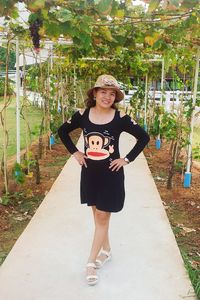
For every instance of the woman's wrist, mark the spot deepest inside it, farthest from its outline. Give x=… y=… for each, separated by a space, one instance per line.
x=126 y=160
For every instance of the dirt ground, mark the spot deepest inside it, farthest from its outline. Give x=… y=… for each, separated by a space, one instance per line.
x=24 y=199
x=182 y=204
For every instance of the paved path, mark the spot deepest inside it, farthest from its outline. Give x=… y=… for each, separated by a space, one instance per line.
x=48 y=260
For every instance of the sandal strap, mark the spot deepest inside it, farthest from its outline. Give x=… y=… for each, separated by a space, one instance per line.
x=92 y=277
x=106 y=252
x=99 y=261
x=91 y=265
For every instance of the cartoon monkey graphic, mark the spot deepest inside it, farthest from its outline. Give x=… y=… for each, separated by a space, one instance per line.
x=96 y=143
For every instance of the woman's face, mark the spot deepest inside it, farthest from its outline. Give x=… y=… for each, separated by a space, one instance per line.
x=105 y=97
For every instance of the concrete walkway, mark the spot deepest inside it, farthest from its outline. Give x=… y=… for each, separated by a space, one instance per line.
x=48 y=260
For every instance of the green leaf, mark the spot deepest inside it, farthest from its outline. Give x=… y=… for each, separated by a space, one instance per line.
x=45 y=14
x=87 y=19
x=120 y=13
x=64 y=15
x=85 y=27
x=104 y=6
x=175 y=2
x=85 y=40
x=160 y=44
x=53 y=29
x=105 y=31
x=68 y=28
x=153 y=5
x=32 y=17
x=4 y=200
x=36 y=5
x=189 y=3
x=14 y=14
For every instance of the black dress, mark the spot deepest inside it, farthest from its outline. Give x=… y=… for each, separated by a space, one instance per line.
x=100 y=186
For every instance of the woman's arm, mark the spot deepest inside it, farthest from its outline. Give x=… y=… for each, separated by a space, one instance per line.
x=66 y=128
x=139 y=133
x=130 y=126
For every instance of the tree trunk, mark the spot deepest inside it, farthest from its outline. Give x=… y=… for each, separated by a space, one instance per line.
x=175 y=153
x=37 y=170
x=40 y=144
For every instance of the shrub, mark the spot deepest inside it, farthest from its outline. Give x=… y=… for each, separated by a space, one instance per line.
x=2 y=85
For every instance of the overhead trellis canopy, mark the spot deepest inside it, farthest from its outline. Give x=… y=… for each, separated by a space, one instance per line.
x=129 y=32
x=96 y=26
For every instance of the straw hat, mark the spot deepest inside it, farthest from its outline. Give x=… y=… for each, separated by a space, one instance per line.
x=107 y=82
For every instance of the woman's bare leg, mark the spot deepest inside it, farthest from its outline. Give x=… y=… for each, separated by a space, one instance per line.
x=101 y=228
x=101 y=220
x=106 y=242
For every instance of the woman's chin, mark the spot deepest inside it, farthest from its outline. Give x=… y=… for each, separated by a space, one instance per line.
x=106 y=104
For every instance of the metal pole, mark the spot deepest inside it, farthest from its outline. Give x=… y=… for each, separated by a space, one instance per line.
x=189 y=159
x=145 y=102
x=158 y=140
x=162 y=79
x=17 y=101
x=74 y=84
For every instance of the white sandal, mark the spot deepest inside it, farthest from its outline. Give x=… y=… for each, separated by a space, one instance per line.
x=99 y=263
x=91 y=279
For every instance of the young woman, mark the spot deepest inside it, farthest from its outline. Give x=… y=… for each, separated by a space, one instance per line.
x=102 y=174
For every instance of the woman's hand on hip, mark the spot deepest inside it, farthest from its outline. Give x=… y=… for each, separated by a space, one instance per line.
x=117 y=164
x=81 y=158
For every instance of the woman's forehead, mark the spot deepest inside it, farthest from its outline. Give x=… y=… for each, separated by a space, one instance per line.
x=110 y=90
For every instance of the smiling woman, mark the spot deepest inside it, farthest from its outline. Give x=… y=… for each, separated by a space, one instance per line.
x=102 y=173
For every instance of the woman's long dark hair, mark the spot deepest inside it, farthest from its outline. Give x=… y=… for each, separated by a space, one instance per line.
x=90 y=102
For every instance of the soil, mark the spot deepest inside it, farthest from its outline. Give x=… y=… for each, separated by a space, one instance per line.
x=24 y=199
x=182 y=205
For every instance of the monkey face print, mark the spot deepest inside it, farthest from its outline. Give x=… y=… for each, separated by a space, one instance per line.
x=98 y=146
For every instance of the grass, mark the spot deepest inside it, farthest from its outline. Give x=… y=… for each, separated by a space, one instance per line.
x=8 y=239
x=23 y=208
x=196 y=143
x=196 y=135
x=59 y=161
x=34 y=117
x=193 y=273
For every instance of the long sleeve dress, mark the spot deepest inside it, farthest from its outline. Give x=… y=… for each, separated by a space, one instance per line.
x=100 y=186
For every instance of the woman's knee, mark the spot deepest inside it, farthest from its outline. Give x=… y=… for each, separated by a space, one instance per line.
x=102 y=217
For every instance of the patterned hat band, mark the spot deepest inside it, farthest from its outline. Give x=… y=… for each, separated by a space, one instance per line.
x=105 y=80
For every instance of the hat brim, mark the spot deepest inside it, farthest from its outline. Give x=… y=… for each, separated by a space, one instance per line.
x=119 y=93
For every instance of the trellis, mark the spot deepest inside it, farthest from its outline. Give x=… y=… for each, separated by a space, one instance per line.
x=156 y=17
